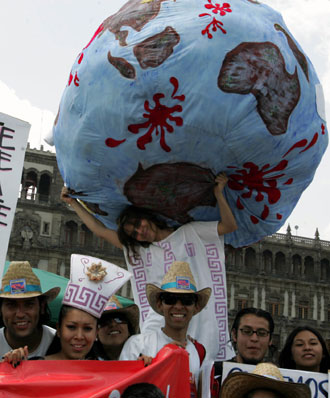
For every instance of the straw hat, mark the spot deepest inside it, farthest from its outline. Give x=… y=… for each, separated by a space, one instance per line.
x=178 y=279
x=131 y=312
x=21 y=282
x=266 y=376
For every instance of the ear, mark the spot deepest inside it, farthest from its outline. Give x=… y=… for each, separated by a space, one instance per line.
x=42 y=306
x=270 y=342
x=197 y=308
x=234 y=335
x=58 y=330
x=160 y=306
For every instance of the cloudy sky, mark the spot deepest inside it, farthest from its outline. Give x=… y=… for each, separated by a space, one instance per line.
x=40 y=40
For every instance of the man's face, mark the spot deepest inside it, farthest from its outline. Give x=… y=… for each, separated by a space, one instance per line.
x=251 y=349
x=177 y=314
x=20 y=317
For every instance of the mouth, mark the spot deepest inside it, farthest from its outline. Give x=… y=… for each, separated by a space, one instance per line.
x=77 y=347
x=114 y=332
x=308 y=356
x=21 y=324
x=178 y=316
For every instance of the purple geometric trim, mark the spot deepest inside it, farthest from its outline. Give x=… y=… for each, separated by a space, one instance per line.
x=169 y=256
x=84 y=298
x=219 y=292
x=140 y=281
x=218 y=277
x=190 y=249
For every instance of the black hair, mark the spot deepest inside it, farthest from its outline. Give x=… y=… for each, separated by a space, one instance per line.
x=257 y=312
x=128 y=216
x=142 y=390
x=44 y=316
x=286 y=359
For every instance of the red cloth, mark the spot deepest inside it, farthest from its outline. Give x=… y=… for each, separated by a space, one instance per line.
x=96 y=379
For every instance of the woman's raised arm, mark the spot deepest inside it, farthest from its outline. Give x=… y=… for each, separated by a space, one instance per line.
x=228 y=222
x=90 y=221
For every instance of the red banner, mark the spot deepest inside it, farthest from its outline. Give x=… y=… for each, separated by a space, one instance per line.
x=96 y=379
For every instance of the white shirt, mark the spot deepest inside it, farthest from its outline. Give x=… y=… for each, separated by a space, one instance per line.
x=48 y=334
x=150 y=343
x=199 y=244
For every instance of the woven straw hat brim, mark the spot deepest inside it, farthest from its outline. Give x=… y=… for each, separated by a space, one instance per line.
x=237 y=385
x=51 y=294
x=131 y=312
x=154 y=291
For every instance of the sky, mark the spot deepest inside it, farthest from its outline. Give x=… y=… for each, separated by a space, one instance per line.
x=40 y=40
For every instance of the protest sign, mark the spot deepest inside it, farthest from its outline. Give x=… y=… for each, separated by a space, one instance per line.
x=317 y=382
x=13 y=138
x=102 y=379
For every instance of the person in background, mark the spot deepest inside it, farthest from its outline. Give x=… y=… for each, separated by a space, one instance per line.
x=142 y=390
x=266 y=381
x=24 y=311
x=251 y=335
x=305 y=349
x=116 y=325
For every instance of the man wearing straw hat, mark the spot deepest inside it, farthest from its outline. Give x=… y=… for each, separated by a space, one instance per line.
x=178 y=301
x=266 y=381
x=24 y=310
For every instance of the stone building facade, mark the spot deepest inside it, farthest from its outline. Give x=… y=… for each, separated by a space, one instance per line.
x=284 y=274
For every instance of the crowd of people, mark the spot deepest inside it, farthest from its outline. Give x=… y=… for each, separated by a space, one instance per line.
x=176 y=298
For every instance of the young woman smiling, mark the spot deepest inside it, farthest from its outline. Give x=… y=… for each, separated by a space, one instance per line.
x=305 y=349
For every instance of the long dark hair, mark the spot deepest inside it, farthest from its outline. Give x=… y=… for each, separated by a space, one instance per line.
x=286 y=359
x=129 y=216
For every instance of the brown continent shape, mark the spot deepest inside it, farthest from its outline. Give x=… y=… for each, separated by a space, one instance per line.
x=259 y=69
x=171 y=189
x=135 y=14
x=124 y=67
x=300 y=57
x=154 y=50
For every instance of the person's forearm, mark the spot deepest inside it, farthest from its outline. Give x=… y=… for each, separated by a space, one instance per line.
x=228 y=223
x=91 y=222
x=95 y=225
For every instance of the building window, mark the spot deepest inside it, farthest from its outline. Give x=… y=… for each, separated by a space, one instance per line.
x=45 y=228
x=303 y=311
x=242 y=303
x=274 y=309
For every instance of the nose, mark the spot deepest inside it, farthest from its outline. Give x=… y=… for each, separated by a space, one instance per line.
x=254 y=337
x=20 y=311
x=79 y=334
x=178 y=304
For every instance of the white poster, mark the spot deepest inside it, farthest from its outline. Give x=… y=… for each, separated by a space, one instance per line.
x=317 y=382
x=13 y=139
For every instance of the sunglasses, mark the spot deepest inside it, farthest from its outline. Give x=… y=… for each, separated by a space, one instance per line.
x=185 y=299
x=118 y=319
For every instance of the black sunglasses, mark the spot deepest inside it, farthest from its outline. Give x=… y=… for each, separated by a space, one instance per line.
x=119 y=319
x=184 y=298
